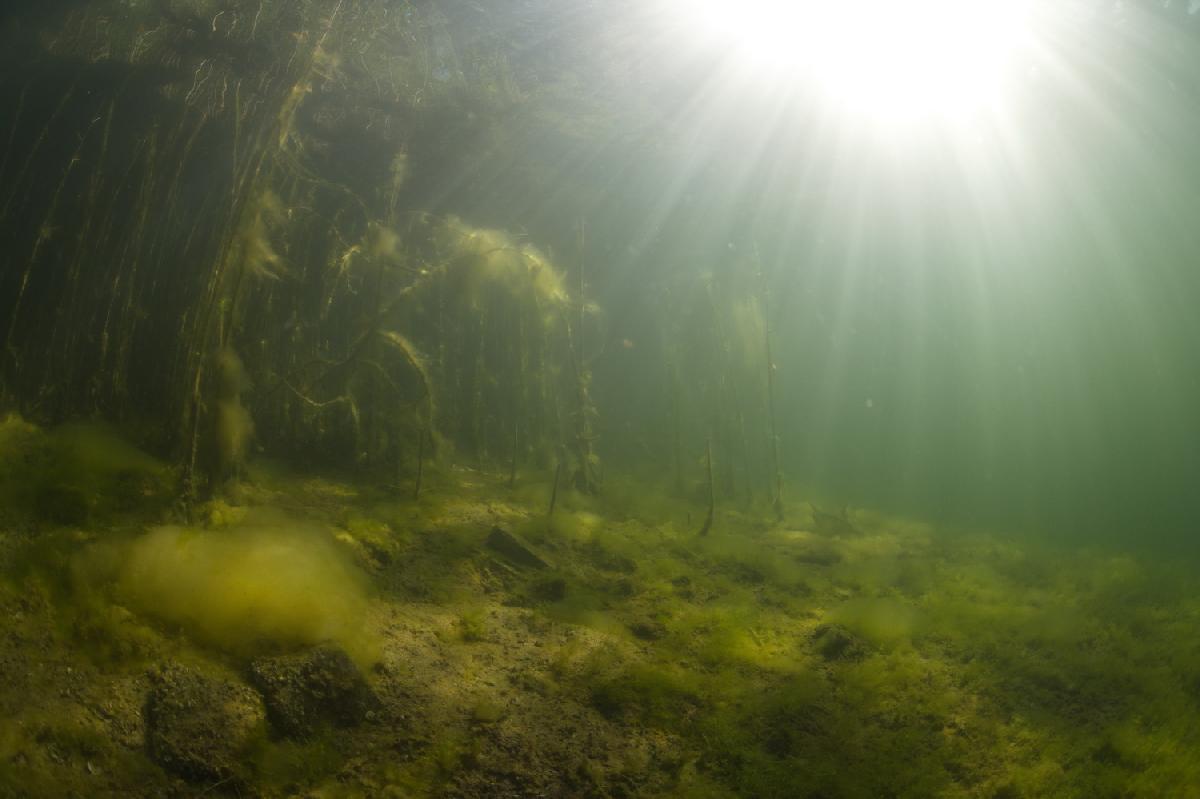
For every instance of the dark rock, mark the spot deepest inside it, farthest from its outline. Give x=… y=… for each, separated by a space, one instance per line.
x=513 y=548
x=378 y=552
x=648 y=630
x=199 y=727
x=308 y=690
x=549 y=589
x=1107 y=754
x=610 y=561
x=61 y=504
x=743 y=572
x=818 y=553
x=832 y=524
x=834 y=642
x=789 y=729
x=621 y=587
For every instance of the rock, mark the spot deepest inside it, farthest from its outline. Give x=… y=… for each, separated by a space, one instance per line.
x=648 y=629
x=610 y=561
x=832 y=524
x=308 y=690
x=199 y=727
x=548 y=589
x=620 y=587
x=834 y=642
x=62 y=504
x=789 y=728
x=817 y=553
x=513 y=548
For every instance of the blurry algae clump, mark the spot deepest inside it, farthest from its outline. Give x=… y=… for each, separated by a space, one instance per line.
x=485 y=259
x=259 y=256
x=234 y=425
x=881 y=621
x=21 y=443
x=250 y=588
x=77 y=473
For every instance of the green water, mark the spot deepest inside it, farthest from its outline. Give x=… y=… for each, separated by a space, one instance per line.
x=754 y=442
x=989 y=325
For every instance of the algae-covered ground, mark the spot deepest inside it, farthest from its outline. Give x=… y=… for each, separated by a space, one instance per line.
x=323 y=635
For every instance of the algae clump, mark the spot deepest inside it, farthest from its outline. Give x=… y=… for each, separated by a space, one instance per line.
x=249 y=589
x=235 y=428
x=75 y=474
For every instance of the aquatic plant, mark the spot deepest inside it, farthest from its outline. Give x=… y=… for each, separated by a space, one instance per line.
x=253 y=243
x=234 y=427
x=479 y=260
x=471 y=625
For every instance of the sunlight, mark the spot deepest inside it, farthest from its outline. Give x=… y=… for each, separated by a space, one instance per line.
x=886 y=59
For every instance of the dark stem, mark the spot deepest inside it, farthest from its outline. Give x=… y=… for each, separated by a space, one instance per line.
x=554 y=491
x=512 y=469
x=712 y=494
x=777 y=498
x=420 y=463
x=678 y=439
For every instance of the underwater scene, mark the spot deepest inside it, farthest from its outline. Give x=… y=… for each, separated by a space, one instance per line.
x=581 y=398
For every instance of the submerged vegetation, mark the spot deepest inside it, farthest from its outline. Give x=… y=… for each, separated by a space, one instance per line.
x=606 y=649
x=375 y=424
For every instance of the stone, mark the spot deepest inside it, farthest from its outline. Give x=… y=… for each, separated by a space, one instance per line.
x=833 y=525
x=834 y=642
x=513 y=548
x=548 y=589
x=648 y=629
x=309 y=690
x=199 y=727
x=817 y=553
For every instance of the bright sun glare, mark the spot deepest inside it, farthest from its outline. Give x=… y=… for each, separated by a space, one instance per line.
x=890 y=59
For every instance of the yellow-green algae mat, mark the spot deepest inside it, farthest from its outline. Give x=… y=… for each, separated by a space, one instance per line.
x=763 y=660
